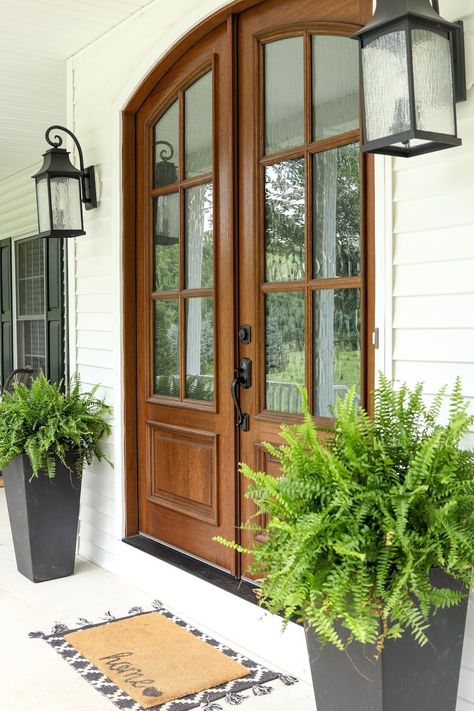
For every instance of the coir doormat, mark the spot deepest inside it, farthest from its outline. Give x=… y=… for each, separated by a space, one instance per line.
x=153 y=660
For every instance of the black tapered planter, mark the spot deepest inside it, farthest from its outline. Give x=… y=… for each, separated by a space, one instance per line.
x=44 y=515
x=406 y=678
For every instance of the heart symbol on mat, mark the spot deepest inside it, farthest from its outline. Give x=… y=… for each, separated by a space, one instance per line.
x=151 y=691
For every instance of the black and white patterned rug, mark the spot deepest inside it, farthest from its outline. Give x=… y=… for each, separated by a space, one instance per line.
x=231 y=692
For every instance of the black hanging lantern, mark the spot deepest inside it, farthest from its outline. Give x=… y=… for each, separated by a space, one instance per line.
x=61 y=188
x=413 y=72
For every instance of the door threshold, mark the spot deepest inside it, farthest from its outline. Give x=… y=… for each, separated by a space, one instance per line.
x=225 y=581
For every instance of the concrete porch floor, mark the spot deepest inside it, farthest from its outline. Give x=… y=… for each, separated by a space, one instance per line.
x=33 y=675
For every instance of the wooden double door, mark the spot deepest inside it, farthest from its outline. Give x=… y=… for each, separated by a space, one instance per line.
x=252 y=259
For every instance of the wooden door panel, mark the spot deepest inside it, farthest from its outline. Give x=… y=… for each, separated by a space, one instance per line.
x=273 y=22
x=187 y=452
x=183 y=469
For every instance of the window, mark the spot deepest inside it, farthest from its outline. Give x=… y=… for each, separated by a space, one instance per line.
x=32 y=307
x=30 y=304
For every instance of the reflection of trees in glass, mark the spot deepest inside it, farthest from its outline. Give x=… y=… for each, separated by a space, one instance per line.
x=166 y=267
x=200 y=349
x=285 y=336
x=166 y=242
x=347 y=336
x=348 y=211
x=199 y=237
x=166 y=347
x=285 y=220
x=337 y=212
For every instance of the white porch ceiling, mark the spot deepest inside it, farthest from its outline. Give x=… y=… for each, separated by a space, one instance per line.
x=36 y=38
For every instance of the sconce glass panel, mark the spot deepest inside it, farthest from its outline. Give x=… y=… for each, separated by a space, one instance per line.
x=386 y=86
x=66 y=204
x=42 y=200
x=433 y=82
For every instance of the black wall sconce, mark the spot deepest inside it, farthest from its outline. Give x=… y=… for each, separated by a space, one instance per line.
x=412 y=73
x=61 y=188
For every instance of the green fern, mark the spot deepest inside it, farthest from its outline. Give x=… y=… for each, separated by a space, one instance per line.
x=357 y=522
x=46 y=423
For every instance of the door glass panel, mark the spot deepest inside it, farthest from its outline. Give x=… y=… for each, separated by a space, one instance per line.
x=284 y=94
x=200 y=349
x=166 y=242
x=284 y=351
x=166 y=344
x=199 y=237
x=335 y=85
x=284 y=221
x=167 y=148
x=198 y=127
x=336 y=332
x=336 y=251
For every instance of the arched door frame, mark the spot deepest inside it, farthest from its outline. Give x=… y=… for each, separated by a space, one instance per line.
x=227 y=14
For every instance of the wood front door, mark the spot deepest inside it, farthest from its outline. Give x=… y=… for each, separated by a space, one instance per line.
x=185 y=306
x=251 y=211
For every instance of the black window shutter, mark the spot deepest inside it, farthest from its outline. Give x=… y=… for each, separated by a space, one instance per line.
x=6 y=320
x=54 y=273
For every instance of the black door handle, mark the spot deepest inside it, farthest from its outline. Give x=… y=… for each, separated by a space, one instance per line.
x=242 y=419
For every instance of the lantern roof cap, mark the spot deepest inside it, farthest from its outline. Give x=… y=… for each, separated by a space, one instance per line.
x=390 y=11
x=56 y=163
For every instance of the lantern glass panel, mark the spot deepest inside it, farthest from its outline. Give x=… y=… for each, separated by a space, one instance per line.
x=433 y=82
x=42 y=200
x=66 y=204
x=386 y=86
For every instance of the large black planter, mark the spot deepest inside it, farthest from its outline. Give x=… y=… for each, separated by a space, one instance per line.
x=44 y=516
x=406 y=678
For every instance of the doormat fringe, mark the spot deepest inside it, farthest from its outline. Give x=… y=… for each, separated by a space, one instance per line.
x=230 y=692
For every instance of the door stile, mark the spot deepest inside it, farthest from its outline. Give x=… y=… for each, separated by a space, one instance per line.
x=233 y=207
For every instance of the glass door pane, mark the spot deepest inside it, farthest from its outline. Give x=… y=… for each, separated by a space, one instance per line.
x=166 y=135
x=284 y=94
x=336 y=333
x=199 y=237
x=284 y=351
x=284 y=221
x=166 y=347
x=335 y=85
x=200 y=349
x=198 y=127
x=336 y=240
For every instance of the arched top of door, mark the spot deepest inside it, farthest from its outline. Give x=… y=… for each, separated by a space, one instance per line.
x=328 y=16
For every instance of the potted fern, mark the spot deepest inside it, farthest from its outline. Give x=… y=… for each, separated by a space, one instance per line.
x=46 y=437
x=370 y=543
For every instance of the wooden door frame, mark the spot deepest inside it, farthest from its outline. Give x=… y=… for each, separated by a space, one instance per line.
x=228 y=14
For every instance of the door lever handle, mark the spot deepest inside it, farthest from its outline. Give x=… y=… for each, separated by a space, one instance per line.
x=242 y=419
